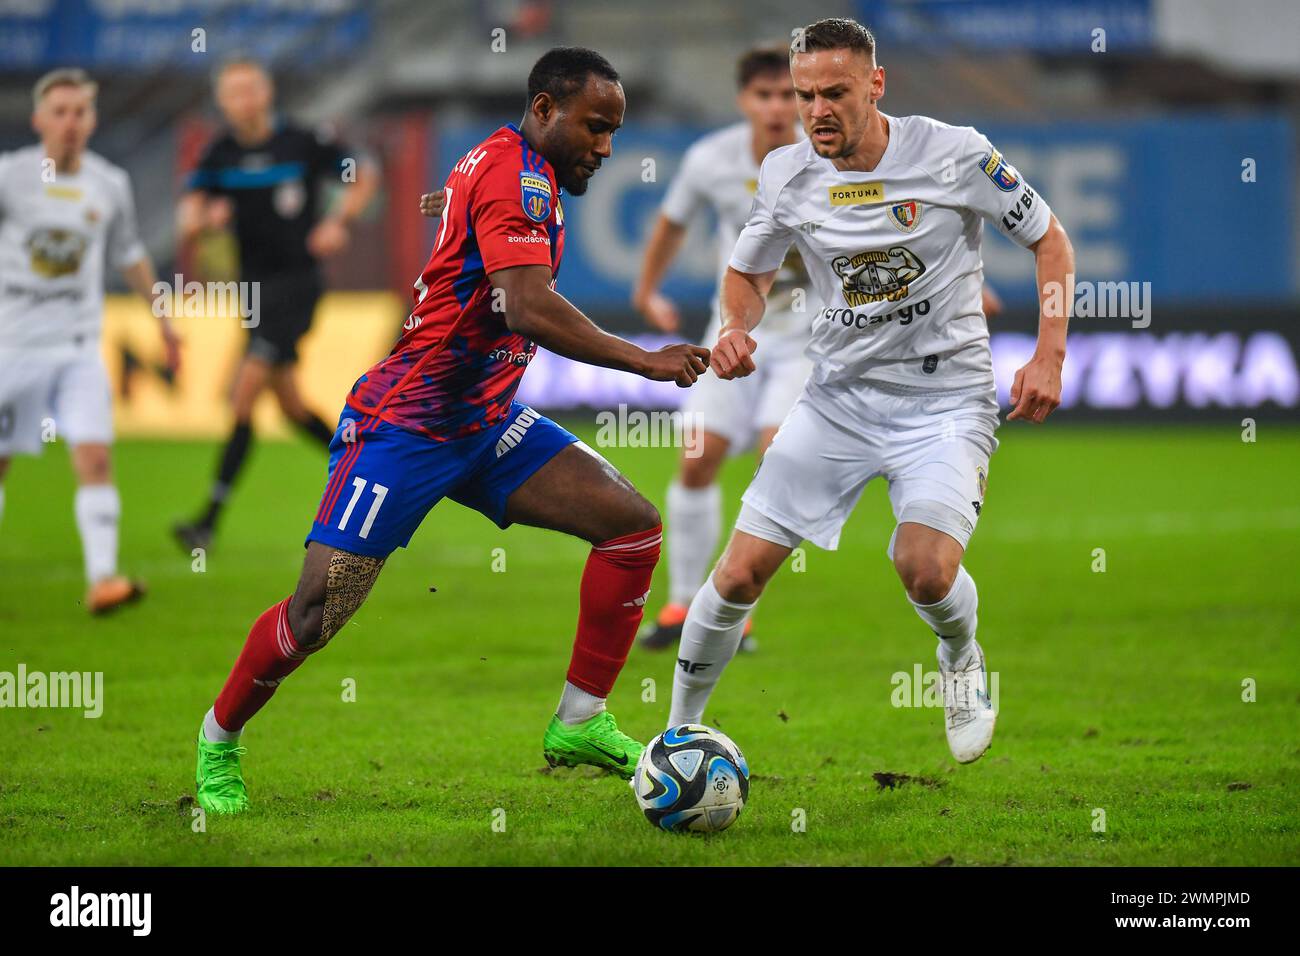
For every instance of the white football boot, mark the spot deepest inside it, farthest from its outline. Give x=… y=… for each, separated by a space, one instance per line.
x=967 y=711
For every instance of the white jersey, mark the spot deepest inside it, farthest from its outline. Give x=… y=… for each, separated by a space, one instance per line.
x=54 y=239
x=719 y=171
x=894 y=254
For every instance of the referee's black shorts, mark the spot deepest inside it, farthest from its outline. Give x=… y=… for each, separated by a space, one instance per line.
x=287 y=304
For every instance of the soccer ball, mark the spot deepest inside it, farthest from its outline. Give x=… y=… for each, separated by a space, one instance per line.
x=691 y=777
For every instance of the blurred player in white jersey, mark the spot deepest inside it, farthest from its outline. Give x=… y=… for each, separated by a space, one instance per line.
x=63 y=211
x=720 y=171
x=888 y=214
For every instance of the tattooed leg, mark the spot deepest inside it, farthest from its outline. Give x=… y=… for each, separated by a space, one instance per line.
x=332 y=586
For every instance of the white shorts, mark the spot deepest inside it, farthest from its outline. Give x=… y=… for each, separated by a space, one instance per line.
x=44 y=397
x=740 y=408
x=932 y=448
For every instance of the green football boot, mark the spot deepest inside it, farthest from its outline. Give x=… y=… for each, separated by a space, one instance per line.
x=597 y=742
x=218 y=783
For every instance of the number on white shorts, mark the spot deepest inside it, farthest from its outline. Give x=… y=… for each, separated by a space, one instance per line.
x=358 y=487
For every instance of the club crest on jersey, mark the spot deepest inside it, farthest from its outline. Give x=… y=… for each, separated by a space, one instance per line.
x=1003 y=174
x=535 y=196
x=905 y=215
x=288 y=198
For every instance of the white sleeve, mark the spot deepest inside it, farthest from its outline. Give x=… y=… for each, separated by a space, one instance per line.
x=992 y=187
x=686 y=193
x=124 y=247
x=763 y=242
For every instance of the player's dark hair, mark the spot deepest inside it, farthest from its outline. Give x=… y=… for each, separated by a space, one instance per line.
x=834 y=33
x=563 y=71
x=760 y=61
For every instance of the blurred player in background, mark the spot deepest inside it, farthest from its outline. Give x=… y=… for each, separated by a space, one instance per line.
x=63 y=211
x=265 y=175
x=902 y=386
x=437 y=419
x=720 y=172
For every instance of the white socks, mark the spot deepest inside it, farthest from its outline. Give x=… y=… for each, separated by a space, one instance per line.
x=576 y=705
x=710 y=637
x=213 y=732
x=2 y=501
x=98 y=510
x=954 y=618
x=694 y=524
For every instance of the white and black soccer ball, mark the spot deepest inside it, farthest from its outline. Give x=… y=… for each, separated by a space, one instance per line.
x=692 y=777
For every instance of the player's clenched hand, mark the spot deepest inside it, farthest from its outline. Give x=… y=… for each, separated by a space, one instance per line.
x=1036 y=390
x=733 y=356
x=682 y=364
x=432 y=204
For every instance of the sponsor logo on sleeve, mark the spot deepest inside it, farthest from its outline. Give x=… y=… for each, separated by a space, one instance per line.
x=535 y=196
x=1002 y=173
x=1017 y=213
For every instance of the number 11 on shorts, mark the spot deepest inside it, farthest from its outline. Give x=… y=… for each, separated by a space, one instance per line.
x=358 y=488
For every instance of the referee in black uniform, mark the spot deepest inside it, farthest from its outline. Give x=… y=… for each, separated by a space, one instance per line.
x=264 y=176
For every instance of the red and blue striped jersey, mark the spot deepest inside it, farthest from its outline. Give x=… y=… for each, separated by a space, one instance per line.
x=456 y=366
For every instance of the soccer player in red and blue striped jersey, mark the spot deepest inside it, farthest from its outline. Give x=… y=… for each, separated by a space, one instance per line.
x=437 y=419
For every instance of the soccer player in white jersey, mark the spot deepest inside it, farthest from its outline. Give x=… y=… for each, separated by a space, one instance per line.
x=720 y=171
x=887 y=213
x=63 y=211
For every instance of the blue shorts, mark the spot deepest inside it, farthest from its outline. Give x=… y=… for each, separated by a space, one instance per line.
x=384 y=479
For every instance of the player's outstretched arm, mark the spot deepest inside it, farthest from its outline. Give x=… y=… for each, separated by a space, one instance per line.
x=1036 y=391
x=535 y=310
x=665 y=242
x=743 y=300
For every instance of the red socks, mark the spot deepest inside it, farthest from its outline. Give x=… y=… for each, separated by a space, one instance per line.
x=270 y=654
x=615 y=584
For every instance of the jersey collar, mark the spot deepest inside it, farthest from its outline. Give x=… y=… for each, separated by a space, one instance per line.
x=529 y=149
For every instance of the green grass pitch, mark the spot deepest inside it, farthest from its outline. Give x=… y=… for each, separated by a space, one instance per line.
x=1120 y=691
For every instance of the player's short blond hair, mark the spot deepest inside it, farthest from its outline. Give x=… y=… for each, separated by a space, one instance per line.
x=64 y=76
x=240 y=60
